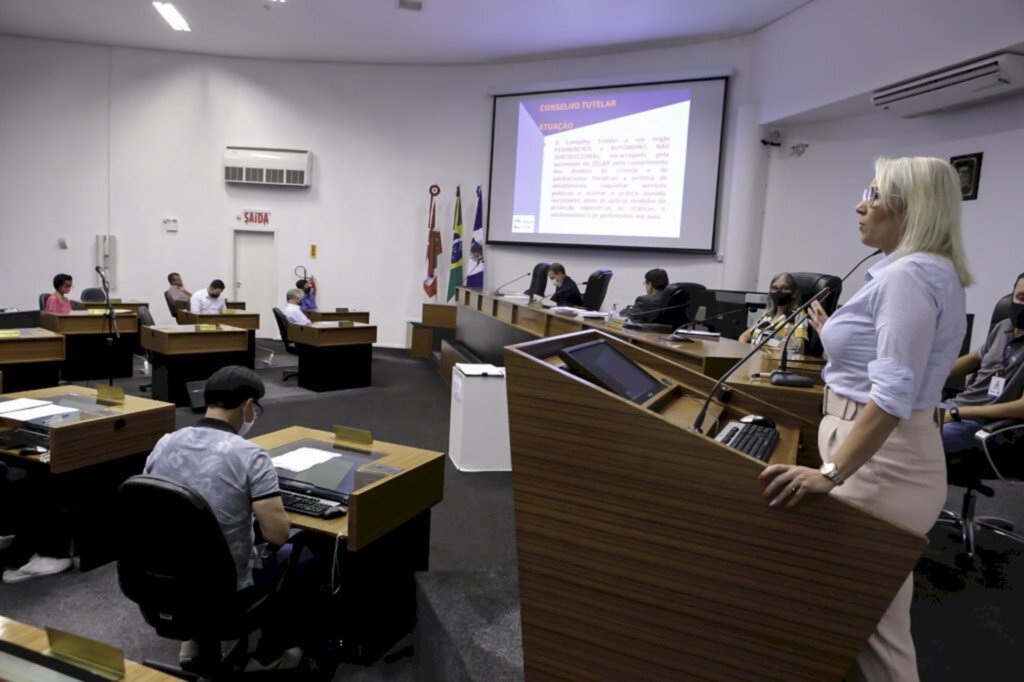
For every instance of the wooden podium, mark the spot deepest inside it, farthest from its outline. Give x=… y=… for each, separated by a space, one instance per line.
x=646 y=549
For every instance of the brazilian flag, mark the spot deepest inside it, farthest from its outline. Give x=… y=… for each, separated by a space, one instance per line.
x=455 y=274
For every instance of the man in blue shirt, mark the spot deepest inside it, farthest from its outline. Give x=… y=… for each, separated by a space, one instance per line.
x=996 y=391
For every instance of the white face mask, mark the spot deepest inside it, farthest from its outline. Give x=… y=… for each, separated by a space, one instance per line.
x=247 y=425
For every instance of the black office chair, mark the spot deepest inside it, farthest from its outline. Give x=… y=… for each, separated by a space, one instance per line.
x=690 y=295
x=597 y=289
x=93 y=295
x=810 y=284
x=1002 y=443
x=170 y=306
x=174 y=563
x=42 y=301
x=538 y=280
x=282 y=327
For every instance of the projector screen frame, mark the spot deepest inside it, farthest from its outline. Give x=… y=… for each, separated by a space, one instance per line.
x=726 y=80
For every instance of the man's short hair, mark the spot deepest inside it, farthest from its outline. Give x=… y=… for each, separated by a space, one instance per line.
x=170 y=277
x=231 y=386
x=1017 y=281
x=59 y=280
x=301 y=284
x=217 y=284
x=557 y=268
x=657 y=278
x=294 y=294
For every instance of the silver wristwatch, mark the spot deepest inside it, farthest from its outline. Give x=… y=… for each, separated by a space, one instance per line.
x=831 y=472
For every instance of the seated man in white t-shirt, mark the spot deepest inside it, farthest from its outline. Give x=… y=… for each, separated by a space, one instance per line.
x=292 y=311
x=210 y=299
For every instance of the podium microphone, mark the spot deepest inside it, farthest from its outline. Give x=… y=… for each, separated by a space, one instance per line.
x=782 y=376
x=497 y=292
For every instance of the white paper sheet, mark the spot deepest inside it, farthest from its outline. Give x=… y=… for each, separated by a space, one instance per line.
x=21 y=404
x=301 y=459
x=47 y=410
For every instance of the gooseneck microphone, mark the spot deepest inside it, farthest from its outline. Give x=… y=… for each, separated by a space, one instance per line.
x=497 y=292
x=782 y=376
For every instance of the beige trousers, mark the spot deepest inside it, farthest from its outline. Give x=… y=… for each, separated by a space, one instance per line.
x=905 y=481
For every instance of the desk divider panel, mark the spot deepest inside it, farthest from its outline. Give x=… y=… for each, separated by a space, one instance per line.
x=646 y=550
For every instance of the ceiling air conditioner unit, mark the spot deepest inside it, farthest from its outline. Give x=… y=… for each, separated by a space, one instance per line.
x=960 y=86
x=257 y=166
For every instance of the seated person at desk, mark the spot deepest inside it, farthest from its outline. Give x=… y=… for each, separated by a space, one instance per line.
x=655 y=282
x=58 y=301
x=308 y=286
x=238 y=480
x=997 y=390
x=177 y=291
x=209 y=300
x=783 y=299
x=34 y=530
x=566 y=291
x=292 y=311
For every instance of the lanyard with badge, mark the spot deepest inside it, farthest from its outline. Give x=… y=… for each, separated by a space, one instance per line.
x=1011 y=356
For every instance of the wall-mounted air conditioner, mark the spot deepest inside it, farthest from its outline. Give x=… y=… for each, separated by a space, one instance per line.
x=963 y=85
x=280 y=167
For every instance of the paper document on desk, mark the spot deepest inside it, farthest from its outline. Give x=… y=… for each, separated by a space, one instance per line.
x=591 y=314
x=301 y=459
x=480 y=370
x=47 y=410
x=21 y=404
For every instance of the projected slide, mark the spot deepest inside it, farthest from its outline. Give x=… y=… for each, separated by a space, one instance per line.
x=611 y=166
x=631 y=166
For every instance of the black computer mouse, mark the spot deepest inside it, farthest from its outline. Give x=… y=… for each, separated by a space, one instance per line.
x=758 y=420
x=334 y=512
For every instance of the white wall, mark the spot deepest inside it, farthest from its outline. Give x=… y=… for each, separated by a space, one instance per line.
x=810 y=222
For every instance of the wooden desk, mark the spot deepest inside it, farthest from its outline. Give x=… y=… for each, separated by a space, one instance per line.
x=386 y=539
x=186 y=353
x=87 y=353
x=31 y=359
x=332 y=357
x=339 y=315
x=90 y=456
x=119 y=303
x=34 y=639
x=481 y=317
x=248 y=321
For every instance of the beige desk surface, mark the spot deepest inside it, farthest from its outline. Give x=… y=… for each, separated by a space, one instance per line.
x=34 y=639
x=375 y=509
x=188 y=339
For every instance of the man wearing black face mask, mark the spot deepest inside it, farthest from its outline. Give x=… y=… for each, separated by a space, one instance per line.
x=210 y=299
x=997 y=390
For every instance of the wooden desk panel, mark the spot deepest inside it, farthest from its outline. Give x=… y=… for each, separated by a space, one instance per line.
x=236 y=305
x=124 y=304
x=339 y=316
x=190 y=340
x=243 y=320
x=376 y=509
x=330 y=334
x=439 y=315
x=32 y=345
x=35 y=639
x=84 y=322
x=134 y=428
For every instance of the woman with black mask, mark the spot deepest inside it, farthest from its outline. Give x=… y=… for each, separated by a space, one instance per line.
x=783 y=298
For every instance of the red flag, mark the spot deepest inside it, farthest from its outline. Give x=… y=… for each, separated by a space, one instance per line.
x=433 y=247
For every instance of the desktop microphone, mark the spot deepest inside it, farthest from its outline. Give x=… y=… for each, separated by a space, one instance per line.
x=782 y=376
x=497 y=292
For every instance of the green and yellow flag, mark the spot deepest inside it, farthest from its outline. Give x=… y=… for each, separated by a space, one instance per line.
x=455 y=274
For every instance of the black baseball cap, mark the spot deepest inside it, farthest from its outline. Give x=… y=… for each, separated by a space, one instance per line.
x=232 y=385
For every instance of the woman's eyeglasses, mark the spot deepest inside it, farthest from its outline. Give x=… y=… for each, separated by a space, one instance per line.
x=869 y=195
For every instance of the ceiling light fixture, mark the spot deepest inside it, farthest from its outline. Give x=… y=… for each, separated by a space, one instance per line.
x=172 y=16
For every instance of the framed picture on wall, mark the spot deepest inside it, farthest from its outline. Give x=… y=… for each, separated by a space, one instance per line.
x=968 y=167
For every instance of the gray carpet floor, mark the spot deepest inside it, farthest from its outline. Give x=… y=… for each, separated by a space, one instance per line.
x=967 y=623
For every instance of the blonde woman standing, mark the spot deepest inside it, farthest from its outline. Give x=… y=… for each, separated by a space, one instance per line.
x=890 y=349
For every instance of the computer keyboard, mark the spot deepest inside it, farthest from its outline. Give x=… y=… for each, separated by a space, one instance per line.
x=304 y=504
x=20 y=438
x=756 y=441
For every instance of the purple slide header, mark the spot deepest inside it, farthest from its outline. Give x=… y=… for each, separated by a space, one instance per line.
x=559 y=114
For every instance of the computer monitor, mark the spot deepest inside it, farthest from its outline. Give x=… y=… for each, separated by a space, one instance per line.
x=333 y=479
x=603 y=364
x=539 y=280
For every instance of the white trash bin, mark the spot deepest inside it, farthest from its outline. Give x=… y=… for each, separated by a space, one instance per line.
x=478 y=432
